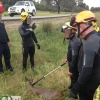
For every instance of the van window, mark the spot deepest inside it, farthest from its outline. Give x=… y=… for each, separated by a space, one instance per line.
x=32 y=4
x=27 y=3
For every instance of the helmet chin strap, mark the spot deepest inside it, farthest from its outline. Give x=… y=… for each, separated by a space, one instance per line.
x=80 y=33
x=71 y=33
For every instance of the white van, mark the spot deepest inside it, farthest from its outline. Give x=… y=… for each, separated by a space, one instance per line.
x=20 y=6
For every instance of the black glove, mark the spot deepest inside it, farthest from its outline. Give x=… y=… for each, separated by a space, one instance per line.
x=73 y=93
x=33 y=26
x=38 y=46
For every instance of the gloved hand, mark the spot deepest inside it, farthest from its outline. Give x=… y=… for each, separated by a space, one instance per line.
x=38 y=46
x=73 y=93
x=33 y=26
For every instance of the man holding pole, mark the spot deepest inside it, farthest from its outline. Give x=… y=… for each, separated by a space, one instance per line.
x=89 y=57
x=73 y=50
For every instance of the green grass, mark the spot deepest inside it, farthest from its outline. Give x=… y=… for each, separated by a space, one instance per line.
x=51 y=55
x=48 y=13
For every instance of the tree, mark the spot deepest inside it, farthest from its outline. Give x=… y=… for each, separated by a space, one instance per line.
x=53 y=5
x=80 y=2
x=80 y=6
x=58 y=5
x=84 y=6
x=95 y=9
x=68 y=5
x=64 y=5
x=7 y=3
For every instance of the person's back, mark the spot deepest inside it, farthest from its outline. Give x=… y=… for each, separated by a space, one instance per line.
x=92 y=44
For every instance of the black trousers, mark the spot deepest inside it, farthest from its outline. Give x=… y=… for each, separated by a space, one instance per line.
x=74 y=77
x=28 y=51
x=88 y=90
x=5 y=51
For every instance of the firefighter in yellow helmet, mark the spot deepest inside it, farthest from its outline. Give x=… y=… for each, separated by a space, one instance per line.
x=28 y=38
x=73 y=49
x=89 y=57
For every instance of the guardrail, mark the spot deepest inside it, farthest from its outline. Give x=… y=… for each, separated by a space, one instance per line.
x=14 y=22
x=35 y=17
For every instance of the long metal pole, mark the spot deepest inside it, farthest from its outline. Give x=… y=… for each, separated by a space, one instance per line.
x=48 y=74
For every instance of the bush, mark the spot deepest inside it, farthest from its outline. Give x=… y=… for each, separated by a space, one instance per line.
x=6 y=14
x=47 y=27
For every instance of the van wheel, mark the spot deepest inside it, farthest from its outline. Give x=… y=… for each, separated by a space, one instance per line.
x=33 y=13
x=22 y=10
x=11 y=15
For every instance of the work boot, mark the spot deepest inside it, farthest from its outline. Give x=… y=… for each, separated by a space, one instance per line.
x=71 y=96
x=70 y=86
x=11 y=70
x=24 y=70
x=32 y=66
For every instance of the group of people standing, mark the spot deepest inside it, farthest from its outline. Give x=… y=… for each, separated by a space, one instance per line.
x=83 y=58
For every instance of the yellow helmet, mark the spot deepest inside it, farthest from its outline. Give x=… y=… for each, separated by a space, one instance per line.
x=96 y=28
x=85 y=16
x=24 y=16
x=67 y=26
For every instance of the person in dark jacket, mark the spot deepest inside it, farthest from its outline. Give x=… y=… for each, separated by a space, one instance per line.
x=27 y=33
x=73 y=51
x=4 y=45
x=89 y=57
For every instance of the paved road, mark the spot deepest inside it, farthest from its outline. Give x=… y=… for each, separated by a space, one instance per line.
x=34 y=17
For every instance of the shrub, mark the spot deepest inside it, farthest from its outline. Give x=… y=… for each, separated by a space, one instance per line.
x=47 y=27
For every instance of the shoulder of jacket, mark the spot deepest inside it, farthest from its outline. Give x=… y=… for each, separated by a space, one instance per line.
x=76 y=39
x=21 y=26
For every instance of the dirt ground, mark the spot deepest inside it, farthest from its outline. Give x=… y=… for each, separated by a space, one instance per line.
x=13 y=25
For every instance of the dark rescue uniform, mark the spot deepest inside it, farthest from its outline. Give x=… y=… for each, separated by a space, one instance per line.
x=89 y=67
x=4 y=48
x=28 y=43
x=73 y=51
